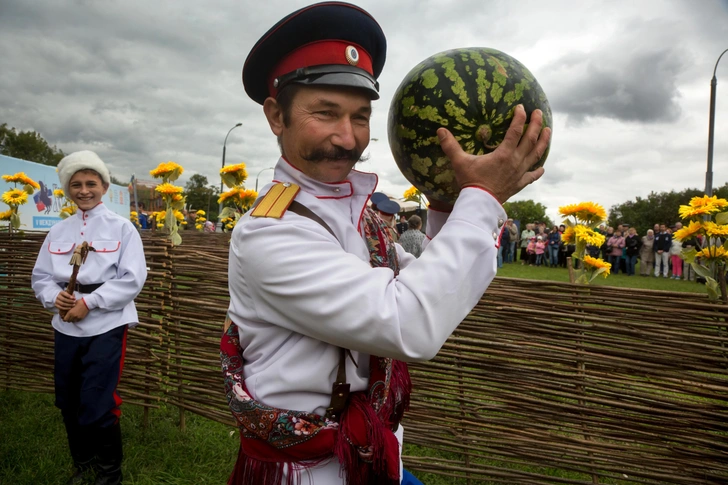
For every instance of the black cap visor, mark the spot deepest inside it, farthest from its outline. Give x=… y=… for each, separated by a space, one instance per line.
x=331 y=75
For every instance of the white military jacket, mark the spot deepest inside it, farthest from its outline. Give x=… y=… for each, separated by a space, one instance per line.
x=297 y=293
x=118 y=263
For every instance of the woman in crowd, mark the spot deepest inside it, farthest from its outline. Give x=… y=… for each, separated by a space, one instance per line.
x=676 y=258
x=531 y=251
x=540 y=250
x=526 y=236
x=647 y=257
x=632 y=244
x=554 y=239
x=615 y=245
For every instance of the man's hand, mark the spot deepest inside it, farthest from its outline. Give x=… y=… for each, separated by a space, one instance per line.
x=503 y=172
x=64 y=301
x=77 y=313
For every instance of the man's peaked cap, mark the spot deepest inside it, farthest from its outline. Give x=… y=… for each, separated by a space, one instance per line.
x=328 y=43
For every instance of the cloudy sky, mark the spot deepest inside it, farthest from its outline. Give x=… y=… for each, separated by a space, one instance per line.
x=143 y=82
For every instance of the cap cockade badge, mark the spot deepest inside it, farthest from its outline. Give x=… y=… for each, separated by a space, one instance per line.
x=352 y=55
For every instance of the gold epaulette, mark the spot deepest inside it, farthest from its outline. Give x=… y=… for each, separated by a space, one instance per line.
x=276 y=202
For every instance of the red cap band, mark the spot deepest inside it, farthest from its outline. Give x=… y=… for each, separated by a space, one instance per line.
x=321 y=53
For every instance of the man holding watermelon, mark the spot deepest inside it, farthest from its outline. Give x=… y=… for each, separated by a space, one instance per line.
x=324 y=307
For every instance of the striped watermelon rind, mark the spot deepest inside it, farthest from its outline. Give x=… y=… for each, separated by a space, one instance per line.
x=470 y=91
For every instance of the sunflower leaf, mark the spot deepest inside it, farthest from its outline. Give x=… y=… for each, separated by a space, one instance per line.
x=721 y=218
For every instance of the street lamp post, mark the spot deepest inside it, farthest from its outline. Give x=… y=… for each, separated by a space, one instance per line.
x=256 y=177
x=211 y=188
x=711 y=129
x=223 y=160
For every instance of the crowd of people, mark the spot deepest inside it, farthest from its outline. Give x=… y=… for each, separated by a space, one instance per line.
x=658 y=252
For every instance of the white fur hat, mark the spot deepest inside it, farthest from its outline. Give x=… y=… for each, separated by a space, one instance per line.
x=83 y=160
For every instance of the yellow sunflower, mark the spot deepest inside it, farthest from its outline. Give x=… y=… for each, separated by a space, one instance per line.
x=708 y=201
x=168 y=189
x=21 y=178
x=687 y=211
x=227 y=195
x=234 y=175
x=25 y=180
x=240 y=167
x=70 y=210
x=568 y=236
x=15 y=197
x=590 y=236
x=5 y=216
x=247 y=197
x=588 y=212
x=200 y=213
x=713 y=253
x=198 y=227
x=58 y=193
x=412 y=194
x=596 y=263
x=712 y=229
x=690 y=230
x=169 y=170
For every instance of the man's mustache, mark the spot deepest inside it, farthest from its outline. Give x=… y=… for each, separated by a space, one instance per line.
x=335 y=153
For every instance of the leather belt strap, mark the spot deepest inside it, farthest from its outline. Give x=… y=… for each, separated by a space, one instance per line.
x=339 y=390
x=83 y=288
x=302 y=210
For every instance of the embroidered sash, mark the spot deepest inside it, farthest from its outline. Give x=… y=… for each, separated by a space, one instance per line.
x=273 y=440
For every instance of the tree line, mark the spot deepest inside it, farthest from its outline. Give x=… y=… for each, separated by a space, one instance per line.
x=641 y=213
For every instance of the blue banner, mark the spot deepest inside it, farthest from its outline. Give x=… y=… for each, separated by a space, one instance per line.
x=42 y=210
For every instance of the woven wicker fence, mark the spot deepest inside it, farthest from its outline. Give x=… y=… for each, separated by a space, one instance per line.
x=543 y=383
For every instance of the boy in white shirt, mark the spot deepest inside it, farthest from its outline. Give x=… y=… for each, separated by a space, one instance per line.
x=90 y=340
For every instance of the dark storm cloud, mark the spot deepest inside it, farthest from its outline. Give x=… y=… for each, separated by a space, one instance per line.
x=631 y=86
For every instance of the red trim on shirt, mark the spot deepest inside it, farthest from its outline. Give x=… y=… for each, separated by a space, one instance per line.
x=57 y=252
x=118 y=245
x=117 y=399
x=484 y=190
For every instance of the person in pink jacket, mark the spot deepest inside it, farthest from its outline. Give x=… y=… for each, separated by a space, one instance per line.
x=616 y=242
x=540 y=249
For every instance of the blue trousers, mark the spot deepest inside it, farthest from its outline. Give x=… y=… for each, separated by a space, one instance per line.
x=553 y=255
x=87 y=371
x=409 y=479
x=631 y=263
x=614 y=261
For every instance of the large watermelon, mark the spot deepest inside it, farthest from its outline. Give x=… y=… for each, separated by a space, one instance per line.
x=472 y=92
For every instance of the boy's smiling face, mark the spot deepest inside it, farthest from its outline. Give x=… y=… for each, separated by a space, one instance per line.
x=86 y=189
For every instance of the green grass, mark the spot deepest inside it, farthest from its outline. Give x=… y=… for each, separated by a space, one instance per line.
x=516 y=270
x=33 y=447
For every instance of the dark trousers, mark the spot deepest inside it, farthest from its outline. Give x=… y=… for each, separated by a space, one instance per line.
x=631 y=264
x=87 y=372
x=615 y=261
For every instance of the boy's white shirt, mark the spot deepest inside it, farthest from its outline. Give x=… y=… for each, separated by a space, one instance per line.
x=118 y=262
